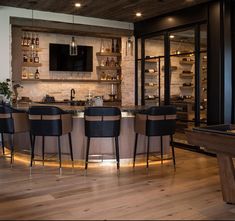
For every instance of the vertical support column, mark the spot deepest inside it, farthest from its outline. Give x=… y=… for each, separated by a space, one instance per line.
x=219 y=63
x=167 y=64
x=142 y=70
x=197 y=75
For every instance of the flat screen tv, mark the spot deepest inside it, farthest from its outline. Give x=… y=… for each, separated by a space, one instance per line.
x=61 y=60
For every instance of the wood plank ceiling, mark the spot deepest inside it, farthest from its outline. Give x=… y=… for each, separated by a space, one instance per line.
x=120 y=10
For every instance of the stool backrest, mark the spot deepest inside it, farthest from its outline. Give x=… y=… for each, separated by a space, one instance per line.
x=49 y=121
x=102 y=121
x=161 y=121
x=13 y=120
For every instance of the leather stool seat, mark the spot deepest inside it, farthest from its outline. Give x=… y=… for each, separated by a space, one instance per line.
x=155 y=121
x=50 y=121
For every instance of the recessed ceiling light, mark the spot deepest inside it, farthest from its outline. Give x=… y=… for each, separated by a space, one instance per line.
x=172 y=36
x=78 y=5
x=138 y=14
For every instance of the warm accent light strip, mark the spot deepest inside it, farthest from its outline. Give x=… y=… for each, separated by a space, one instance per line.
x=125 y=163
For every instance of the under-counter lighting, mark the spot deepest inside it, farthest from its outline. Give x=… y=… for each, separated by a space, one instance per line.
x=138 y=14
x=78 y=5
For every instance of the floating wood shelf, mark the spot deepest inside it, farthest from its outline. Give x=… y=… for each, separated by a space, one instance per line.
x=73 y=80
x=153 y=60
x=26 y=48
x=31 y=64
x=187 y=62
x=108 y=68
x=109 y=54
x=186 y=87
x=186 y=75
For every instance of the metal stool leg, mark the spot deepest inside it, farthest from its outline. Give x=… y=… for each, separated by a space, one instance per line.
x=3 y=144
x=43 y=150
x=33 y=138
x=12 y=148
x=59 y=148
x=161 y=141
x=173 y=150
x=71 y=149
x=87 y=152
x=135 y=149
x=148 y=139
x=117 y=152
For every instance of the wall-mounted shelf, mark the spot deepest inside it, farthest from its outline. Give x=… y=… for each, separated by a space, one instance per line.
x=31 y=64
x=186 y=87
x=187 y=62
x=186 y=75
x=111 y=54
x=106 y=68
x=26 y=48
x=72 y=80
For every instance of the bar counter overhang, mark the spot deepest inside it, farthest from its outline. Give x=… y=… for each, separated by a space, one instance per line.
x=99 y=146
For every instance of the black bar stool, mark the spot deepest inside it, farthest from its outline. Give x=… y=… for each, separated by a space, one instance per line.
x=102 y=122
x=156 y=121
x=49 y=121
x=12 y=121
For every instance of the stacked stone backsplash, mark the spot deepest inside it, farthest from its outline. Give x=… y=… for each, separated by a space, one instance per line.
x=61 y=89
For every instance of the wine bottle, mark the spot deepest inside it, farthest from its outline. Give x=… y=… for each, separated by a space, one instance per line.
x=36 y=58
x=28 y=39
x=113 y=50
x=37 y=74
x=117 y=46
x=33 y=39
x=107 y=62
x=37 y=41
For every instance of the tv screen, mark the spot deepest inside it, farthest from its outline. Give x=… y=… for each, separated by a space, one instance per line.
x=61 y=60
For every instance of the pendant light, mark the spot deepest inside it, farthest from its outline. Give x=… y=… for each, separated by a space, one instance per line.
x=32 y=42
x=129 y=45
x=73 y=49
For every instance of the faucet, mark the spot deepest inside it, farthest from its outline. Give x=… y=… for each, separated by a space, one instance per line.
x=72 y=94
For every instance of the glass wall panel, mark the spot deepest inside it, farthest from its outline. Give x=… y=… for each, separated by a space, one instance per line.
x=203 y=74
x=154 y=71
x=182 y=80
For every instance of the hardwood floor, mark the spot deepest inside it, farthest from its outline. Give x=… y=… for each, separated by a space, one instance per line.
x=193 y=192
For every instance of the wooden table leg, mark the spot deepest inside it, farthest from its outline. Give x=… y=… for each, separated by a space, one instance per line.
x=227 y=177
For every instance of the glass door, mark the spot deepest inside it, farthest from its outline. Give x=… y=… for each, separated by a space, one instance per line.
x=182 y=79
x=185 y=82
x=153 y=72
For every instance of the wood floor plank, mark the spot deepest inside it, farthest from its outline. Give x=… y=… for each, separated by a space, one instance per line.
x=191 y=192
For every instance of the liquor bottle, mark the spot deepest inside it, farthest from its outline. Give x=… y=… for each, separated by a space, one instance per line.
x=25 y=39
x=22 y=40
x=33 y=39
x=37 y=74
x=30 y=59
x=117 y=46
x=28 y=39
x=113 y=49
x=107 y=62
x=36 y=58
x=25 y=57
x=112 y=63
x=37 y=41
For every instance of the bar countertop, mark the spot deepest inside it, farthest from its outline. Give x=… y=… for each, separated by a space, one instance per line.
x=127 y=111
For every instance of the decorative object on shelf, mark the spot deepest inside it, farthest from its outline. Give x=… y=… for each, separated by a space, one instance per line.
x=73 y=49
x=5 y=91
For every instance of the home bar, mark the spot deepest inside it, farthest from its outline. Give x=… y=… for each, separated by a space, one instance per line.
x=114 y=110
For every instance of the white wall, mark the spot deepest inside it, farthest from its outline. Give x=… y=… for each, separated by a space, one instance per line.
x=5 y=36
